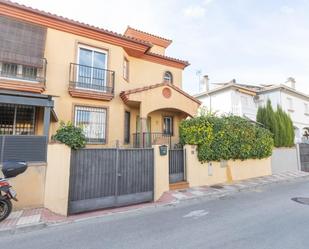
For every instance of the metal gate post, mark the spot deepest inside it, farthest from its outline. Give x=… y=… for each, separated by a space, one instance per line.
x=2 y=150
x=299 y=166
x=184 y=164
x=117 y=173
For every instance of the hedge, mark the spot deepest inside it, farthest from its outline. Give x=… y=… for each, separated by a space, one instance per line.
x=226 y=137
x=279 y=123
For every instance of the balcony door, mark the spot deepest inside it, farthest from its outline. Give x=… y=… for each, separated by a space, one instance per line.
x=91 y=73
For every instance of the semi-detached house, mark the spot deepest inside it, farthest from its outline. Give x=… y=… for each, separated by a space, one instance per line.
x=118 y=87
x=244 y=100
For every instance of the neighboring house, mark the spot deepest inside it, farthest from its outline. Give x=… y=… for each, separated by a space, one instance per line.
x=244 y=100
x=119 y=88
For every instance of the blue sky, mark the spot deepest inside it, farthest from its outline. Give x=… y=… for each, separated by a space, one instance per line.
x=252 y=41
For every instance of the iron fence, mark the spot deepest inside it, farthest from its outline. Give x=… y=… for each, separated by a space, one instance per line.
x=147 y=139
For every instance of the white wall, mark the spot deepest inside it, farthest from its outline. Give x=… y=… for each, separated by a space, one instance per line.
x=230 y=101
x=219 y=102
x=248 y=105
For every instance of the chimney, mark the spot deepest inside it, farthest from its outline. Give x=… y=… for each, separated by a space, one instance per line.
x=205 y=84
x=291 y=82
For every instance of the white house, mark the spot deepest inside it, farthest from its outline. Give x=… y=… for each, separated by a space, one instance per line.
x=244 y=100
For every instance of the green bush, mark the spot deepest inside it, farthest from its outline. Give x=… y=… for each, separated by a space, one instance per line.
x=70 y=135
x=279 y=123
x=226 y=137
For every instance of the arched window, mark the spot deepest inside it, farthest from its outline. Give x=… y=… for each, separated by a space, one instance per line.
x=168 y=77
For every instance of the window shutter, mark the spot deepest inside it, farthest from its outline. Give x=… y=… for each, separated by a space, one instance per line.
x=21 y=42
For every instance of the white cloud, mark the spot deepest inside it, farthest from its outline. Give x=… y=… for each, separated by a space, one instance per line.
x=194 y=11
x=206 y=2
x=287 y=10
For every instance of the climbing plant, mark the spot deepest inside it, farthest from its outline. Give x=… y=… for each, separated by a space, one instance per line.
x=70 y=135
x=226 y=137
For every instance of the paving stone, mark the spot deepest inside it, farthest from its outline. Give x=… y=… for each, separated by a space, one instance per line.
x=15 y=215
x=179 y=196
x=27 y=220
x=197 y=193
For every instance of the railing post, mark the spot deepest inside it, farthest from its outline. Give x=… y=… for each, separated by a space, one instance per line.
x=46 y=121
x=113 y=83
x=45 y=68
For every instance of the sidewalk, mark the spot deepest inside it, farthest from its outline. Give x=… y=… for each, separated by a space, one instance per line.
x=29 y=219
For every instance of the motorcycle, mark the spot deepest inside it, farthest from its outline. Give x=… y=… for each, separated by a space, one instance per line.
x=7 y=193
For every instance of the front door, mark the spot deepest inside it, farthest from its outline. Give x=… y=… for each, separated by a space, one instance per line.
x=145 y=138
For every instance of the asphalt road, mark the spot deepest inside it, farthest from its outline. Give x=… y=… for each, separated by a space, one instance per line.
x=264 y=218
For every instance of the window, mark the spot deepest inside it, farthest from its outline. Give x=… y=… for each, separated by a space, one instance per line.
x=168 y=125
x=12 y=70
x=306 y=108
x=127 y=118
x=9 y=69
x=93 y=122
x=92 y=69
x=290 y=104
x=126 y=69
x=168 y=77
x=29 y=72
x=17 y=119
x=244 y=101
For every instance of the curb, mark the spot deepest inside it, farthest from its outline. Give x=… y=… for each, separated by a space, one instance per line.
x=209 y=196
x=241 y=189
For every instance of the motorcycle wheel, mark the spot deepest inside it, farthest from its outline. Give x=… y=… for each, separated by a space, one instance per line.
x=5 y=208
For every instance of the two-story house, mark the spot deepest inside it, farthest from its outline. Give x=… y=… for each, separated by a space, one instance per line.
x=244 y=100
x=118 y=87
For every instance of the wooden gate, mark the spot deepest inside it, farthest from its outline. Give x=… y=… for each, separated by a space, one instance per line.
x=102 y=178
x=304 y=156
x=176 y=165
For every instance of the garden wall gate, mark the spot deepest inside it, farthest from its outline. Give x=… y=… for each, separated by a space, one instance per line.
x=176 y=165
x=304 y=156
x=102 y=178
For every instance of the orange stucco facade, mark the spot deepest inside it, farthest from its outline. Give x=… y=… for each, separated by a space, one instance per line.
x=147 y=65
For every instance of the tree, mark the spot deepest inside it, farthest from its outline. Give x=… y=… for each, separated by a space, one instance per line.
x=279 y=123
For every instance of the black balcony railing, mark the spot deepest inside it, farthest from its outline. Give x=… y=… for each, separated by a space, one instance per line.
x=34 y=71
x=147 y=139
x=91 y=78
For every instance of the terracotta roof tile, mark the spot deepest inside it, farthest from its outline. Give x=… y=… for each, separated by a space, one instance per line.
x=124 y=94
x=146 y=33
x=186 y=63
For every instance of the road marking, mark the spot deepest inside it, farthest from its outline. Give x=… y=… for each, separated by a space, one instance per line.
x=196 y=214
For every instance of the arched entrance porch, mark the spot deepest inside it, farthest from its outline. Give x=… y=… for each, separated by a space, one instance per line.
x=161 y=126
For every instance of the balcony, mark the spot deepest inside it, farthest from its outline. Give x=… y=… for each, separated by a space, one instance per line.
x=28 y=74
x=91 y=82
